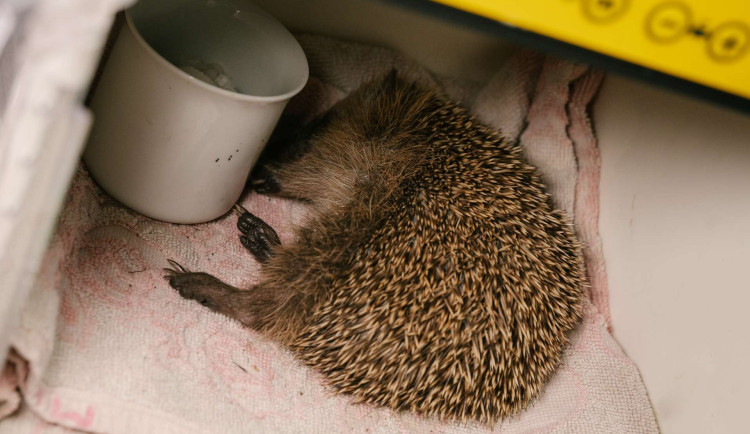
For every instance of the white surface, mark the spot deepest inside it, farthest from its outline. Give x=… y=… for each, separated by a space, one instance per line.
x=171 y=146
x=675 y=221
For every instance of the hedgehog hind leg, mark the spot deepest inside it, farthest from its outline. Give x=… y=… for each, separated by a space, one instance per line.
x=249 y=307
x=256 y=236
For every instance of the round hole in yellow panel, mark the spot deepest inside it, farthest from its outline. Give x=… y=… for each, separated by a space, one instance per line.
x=668 y=22
x=729 y=41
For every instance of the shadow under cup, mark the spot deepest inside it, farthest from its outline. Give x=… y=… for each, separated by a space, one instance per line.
x=191 y=91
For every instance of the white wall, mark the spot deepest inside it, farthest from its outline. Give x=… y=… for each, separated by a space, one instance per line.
x=675 y=222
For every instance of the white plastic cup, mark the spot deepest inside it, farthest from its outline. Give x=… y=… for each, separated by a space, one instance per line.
x=170 y=145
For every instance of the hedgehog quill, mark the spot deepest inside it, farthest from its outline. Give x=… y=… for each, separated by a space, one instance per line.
x=434 y=275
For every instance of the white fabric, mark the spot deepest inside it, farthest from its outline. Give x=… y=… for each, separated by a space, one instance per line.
x=44 y=70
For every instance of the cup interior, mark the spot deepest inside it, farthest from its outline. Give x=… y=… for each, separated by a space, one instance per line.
x=256 y=53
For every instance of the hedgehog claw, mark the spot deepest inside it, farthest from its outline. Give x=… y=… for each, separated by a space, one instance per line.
x=239 y=209
x=177 y=268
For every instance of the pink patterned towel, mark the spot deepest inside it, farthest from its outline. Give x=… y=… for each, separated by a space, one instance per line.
x=105 y=345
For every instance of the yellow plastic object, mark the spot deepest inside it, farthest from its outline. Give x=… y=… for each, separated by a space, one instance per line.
x=704 y=41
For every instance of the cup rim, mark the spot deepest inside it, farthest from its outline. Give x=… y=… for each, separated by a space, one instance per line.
x=209 y=87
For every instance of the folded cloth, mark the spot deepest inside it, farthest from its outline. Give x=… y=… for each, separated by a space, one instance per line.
x=105 y=345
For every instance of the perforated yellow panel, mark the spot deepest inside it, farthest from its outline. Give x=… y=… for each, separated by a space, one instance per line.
x=704 y=41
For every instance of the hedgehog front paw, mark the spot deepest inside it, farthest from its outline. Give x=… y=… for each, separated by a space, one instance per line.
x=257 y=236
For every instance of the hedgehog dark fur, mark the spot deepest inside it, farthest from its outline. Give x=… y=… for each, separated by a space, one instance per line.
x=434 y=276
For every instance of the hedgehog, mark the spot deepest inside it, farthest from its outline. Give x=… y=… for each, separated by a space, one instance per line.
x=433 y=276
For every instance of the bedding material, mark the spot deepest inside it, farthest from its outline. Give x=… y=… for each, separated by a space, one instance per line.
x=105 y=345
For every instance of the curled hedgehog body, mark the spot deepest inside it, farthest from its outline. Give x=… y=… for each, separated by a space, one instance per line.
x=433 y=276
